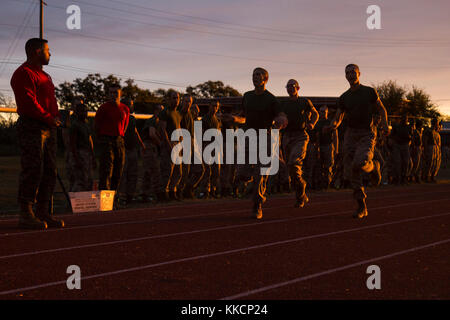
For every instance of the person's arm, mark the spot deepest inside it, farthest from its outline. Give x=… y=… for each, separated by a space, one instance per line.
x=383 y=113
x=337 y=120
x=73 y=146
x=154 y=136
x=165 y=137
x=91 y=145
x=139 y=139
x=335 y=142
x=314 y=117
x=127 y=120
x=98 y=120
x=230 y=118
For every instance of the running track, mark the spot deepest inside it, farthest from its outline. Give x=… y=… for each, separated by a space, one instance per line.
x=214 y=250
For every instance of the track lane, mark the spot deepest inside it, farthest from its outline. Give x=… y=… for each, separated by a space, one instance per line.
x=346 y=220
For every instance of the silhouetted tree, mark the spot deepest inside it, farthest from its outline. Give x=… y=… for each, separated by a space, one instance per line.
x=211 y=89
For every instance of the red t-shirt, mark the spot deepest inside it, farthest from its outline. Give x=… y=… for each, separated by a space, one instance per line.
x=35 y=94
x=112 y=119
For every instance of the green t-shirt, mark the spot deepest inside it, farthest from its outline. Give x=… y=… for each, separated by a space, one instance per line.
x=359 y=106
x=187 y=122
x=325 y=138
x=130 y=137
x=297 y=112
x=211 y=122
x=259 y=109
x=172 y=118
x=82 y=131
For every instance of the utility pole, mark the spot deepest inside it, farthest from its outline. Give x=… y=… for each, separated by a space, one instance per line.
x=41 y=19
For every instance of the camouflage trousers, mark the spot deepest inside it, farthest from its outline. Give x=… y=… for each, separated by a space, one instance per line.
x=83 y=171
x=228 y=171
x=112 y=161
x=294 y=146
x=191 y=174
x=130 y=172
x=170 y=173
x=312 y=168
x=69 y=168
x=38 y=172
x=416 y=156
x=432 y=161
x=359 y=145
x=152 y=182
x=401 y=157
x=256 y=172
x=326 y=156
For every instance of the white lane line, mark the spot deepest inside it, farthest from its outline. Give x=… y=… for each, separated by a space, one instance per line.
x=242 y=201
x=330 y=271
x=191 y=216
x=221 y=253
x=168 y=235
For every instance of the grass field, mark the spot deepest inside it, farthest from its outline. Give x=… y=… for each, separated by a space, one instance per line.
x=9 y=173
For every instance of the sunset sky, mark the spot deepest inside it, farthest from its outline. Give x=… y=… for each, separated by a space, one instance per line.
x=176 y=43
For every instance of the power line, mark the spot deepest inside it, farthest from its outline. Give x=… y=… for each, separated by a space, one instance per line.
x=202 y=53
x=289 y=32
x=315 y=39
x=11 y=49
x=328 y=41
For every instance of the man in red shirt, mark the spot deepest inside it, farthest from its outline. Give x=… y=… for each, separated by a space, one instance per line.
x=36 y=129
x=111 y=121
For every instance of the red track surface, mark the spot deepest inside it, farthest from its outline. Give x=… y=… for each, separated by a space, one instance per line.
x=214 y=250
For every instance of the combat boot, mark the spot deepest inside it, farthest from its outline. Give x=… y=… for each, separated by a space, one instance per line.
x=375 y=174
x=257 y=211
x=179 y=194
x=28 y=220
x=300 y=203
x=128 y=199
x=162 y=197
x=42 y=213
x=361 y=212
x=188 y=193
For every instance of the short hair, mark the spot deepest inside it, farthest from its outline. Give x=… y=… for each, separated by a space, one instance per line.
x=352 y=65
x=188 y=95
x=170 y=92
x=33 y=44
x=294 y=81
x=264 y=71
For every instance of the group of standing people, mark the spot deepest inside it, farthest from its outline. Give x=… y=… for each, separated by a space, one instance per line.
x=307 y=136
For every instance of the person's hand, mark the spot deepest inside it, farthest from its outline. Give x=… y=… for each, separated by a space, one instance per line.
x=56 y=122
x=310 y=126
x=280 y=122
x=385 y=130
x=227 y=117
